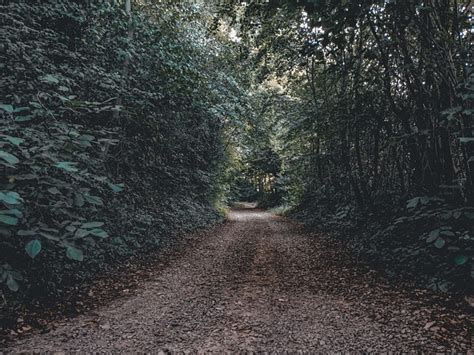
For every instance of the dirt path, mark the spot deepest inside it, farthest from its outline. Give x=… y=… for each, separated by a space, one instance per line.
x=259 y=283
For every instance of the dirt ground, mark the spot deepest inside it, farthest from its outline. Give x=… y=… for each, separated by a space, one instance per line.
x=260 y=283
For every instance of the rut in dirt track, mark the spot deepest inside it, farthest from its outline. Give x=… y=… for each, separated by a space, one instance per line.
x=258 y=282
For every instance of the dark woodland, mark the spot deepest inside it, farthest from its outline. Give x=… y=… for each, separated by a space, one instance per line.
x=224 y=176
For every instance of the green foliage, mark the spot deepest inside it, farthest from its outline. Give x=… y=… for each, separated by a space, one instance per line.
x=370 y=115
x=74 y=253
x=440 y=243
x=10 y=277
x=461 y=260
x=68 y=166
x=116 y=187
x=117 y=129
x=12 y=284
x=110 y=119
x=10 y=197
x=9 y=158
x=33 y=248
x=8 y=220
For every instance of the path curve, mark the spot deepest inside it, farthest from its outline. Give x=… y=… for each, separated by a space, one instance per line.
x=258 y=282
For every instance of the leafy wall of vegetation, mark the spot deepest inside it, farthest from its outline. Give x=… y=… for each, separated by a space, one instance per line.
x=111 y=135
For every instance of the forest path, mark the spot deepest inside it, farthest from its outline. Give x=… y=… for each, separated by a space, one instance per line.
x=259 y=282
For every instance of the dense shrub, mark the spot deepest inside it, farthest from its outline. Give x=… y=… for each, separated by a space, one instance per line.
x=111 y=135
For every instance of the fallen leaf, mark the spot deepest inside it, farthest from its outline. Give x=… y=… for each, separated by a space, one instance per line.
x=429 y=325
x=105 y=326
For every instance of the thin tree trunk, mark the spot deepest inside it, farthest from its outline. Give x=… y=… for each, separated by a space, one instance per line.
x=128 y=10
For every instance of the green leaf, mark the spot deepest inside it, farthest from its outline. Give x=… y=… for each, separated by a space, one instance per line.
x=434 y=234
x=11 y=197
x=21 y=109
x=466 y=139
x=14 y=140
x=26 y=233
x=12 y=212
x=74 y=253
x=54 y=191
x=7 y=108
x=9 y=158
x=49 y=236
x=8 y=220
x=71 y=228
x=447 y=233
x=116 y=187
x=67 y=165
x=86 y=137
x=85 y=140
x=33 y=248
x=457 y=214
x=95 y=200
x=47 y=229
x=98 y=232
x=81 y=233
x=12 y=284
x=460 y=260
x=23 y=118
x=78 y=200
x=49 y=78
x=90 y=225
x=440 y=242
x=413 y=202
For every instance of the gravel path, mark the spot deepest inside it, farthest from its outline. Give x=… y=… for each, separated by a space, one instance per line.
x=258 y=282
